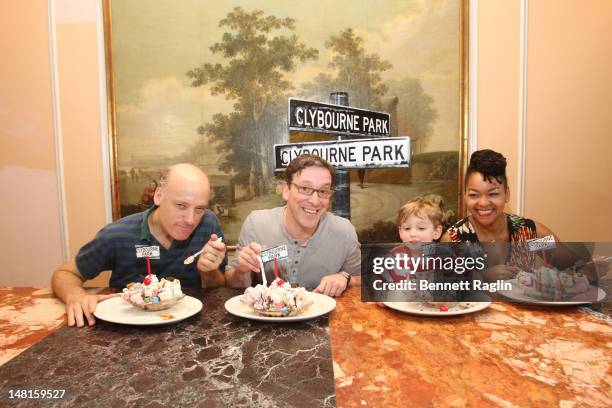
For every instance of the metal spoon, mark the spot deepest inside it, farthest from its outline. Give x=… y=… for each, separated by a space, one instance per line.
x=581 y=264
x=190 y=259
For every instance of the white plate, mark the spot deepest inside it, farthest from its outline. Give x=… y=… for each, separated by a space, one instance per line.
x=117 y=310
x=321 y=305
x=421 y=309
x=586 y=298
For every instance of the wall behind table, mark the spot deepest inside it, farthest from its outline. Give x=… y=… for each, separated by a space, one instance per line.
x=33 y=242
x=568 y=100
x=80 y=104
x=569 y=119
x=498 y=84
x=30 y=243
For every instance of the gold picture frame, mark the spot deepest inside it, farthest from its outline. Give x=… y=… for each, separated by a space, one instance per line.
x=155 y=30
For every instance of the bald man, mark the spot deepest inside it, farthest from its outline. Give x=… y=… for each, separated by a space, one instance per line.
x=178 y=225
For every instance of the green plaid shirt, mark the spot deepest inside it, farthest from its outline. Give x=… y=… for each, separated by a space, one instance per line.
x=114 y=248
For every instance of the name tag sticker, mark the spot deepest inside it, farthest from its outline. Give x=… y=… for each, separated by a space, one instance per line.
x=277 y=252
x=539 y=244
x=151 y=252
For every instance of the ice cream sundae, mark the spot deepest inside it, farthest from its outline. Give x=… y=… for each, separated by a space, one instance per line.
x=551 y=284
x=277 y=300
x=153 y=294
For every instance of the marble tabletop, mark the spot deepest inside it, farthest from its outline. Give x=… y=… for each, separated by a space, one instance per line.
x=361 y=355
x=27 y=315
x=212 y=359
x=508 y=355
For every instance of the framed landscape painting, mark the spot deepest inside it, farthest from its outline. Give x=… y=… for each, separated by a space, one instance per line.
x=208 y=82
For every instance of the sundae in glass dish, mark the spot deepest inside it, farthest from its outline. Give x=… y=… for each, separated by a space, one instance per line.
x=153 y=294
x=551 y=284
x=277 y=300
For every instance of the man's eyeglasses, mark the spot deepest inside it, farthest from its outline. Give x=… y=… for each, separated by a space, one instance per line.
x=322 y=193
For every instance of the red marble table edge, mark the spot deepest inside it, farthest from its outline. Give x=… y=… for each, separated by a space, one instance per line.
x=348 y=397
x=23 y=297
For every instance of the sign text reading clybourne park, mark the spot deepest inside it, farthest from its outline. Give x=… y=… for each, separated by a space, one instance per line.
x=320 y=117
x=357 y=154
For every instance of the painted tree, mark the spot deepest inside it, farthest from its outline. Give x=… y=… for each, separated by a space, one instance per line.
x=259 y=51
x=416 y=114
x=354 y=71
x=359 y=73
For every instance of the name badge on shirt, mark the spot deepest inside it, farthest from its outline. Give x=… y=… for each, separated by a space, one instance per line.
x=151 y=252
x=548 y=242
x=277 y=252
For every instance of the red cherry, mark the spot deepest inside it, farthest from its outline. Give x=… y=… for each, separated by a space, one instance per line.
x=443 y=308
x=280 y=282
x=147 y=281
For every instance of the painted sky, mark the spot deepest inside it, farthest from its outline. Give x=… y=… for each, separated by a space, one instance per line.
x=156 y=42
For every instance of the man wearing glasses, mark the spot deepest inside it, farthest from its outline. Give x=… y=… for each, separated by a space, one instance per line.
x=324 y=253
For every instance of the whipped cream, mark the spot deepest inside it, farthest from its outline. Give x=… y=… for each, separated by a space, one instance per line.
x=278 y=299
x=152 y=290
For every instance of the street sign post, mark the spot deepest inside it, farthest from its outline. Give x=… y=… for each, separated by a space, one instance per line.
x=339 y=119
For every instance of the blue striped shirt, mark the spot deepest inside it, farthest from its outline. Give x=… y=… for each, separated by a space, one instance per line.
x=114 y=248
